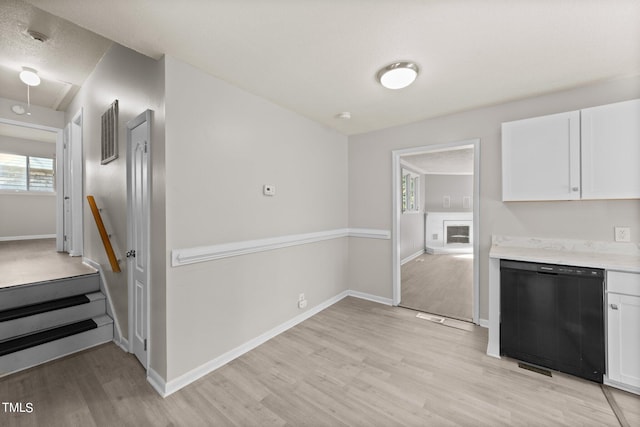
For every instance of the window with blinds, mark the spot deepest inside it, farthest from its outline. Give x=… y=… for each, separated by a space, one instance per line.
x=26 y=173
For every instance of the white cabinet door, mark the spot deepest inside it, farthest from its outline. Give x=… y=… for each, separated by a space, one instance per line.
x=623 y=338
x=541 y=158
x=611 y=151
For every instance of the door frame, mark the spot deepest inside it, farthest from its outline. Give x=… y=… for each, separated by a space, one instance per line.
x=58 y=174
x=397 y=206
x=132 y=124
x=77 y=188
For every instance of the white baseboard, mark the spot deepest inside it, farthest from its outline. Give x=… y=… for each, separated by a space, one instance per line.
x=412 y=257
x=31 y=237
x=484 y=323
x=621 y=386
x=370 y=297
x=166 y=388
x=157 y=382
x=117 y=332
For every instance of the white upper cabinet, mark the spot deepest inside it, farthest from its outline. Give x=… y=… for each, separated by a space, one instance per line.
x=541 y=158
x=611 y=151
x=588 y=154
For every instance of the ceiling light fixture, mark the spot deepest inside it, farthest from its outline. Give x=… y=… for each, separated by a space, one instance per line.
x=29 y=76
x=18 y=109
x=398 y=75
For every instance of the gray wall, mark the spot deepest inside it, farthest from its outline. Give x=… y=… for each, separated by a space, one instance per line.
x=412 y=223
x=370 y=184
x=27 y=214
x=137 y=82
x=454 y=186
x=222 y=146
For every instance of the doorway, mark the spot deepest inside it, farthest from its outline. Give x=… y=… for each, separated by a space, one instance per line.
x=435 y=241
x=39 y=149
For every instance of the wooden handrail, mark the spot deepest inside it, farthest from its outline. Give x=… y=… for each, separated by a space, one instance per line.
x=103 y=235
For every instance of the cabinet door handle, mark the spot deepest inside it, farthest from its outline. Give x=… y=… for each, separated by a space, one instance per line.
x=614 y=306
x=575 y=188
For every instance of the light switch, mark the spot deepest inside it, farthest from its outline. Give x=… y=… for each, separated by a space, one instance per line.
x=269 y=190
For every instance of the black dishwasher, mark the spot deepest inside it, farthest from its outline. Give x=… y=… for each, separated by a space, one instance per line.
x=552 y=316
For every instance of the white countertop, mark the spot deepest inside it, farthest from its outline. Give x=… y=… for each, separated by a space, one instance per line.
x=606 y=255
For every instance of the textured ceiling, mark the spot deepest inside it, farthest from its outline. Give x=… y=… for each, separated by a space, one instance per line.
x=320 y=57
x=63 y=62
x=454 y=161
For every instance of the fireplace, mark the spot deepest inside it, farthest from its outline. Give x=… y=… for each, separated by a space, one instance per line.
x=448 y=232
x=457 y=232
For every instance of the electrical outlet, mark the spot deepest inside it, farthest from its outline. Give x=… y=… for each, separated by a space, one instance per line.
x=622 y=234
x=302 y=302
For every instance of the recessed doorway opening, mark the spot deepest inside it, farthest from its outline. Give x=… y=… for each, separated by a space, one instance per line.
x=435 y=244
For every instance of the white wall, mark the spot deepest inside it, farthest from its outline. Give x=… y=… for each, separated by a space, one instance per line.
x=454 y=186
x=222 y=146
x=137 y=82
x=412 y=223
x=370 y=184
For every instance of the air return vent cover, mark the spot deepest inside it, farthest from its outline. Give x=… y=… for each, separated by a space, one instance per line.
x=110 y=134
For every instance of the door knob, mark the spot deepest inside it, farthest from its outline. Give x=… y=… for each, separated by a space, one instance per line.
x=131 y=254
x=614 y=306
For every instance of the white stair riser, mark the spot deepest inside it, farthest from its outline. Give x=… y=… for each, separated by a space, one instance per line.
x=51 y=319
x=33 y=356
x=18 y=296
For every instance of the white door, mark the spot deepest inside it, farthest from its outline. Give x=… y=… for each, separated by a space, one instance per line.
x=610 y=151
x=541 y=158
x=138 y=144
x=623 y=339
x=66 y=189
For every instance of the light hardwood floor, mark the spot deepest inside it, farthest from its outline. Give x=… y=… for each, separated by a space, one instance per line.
x=439 y=284
x=356 y=363
x=30 y=261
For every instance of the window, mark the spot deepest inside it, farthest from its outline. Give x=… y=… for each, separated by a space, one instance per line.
x=410 y=191
x=26 y=173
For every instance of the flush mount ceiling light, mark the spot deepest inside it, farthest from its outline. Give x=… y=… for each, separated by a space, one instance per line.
x=18 y=109
x=398 y=75
x=29 y=76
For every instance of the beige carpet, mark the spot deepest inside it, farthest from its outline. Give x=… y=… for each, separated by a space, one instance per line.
x=439 y=284
x=30 y=261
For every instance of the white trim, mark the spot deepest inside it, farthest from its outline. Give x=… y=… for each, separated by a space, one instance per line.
x=77 y=192
x=167 y=388
x=370 y=297
x=31 y=237
x=225 y=250
x=370 y=233
x=484 y=323
x=157 y=382
x=117 y=332
x=412 y=257
x=622 y=386
x=27 y=192
x=396 y=213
